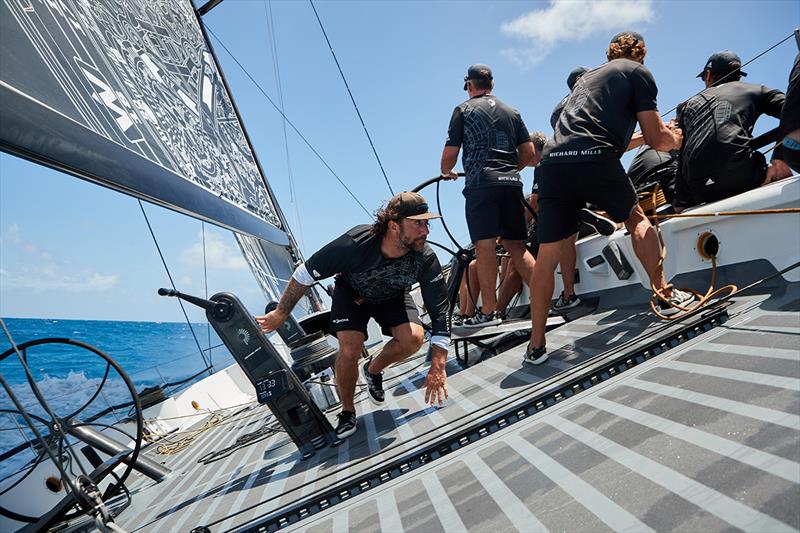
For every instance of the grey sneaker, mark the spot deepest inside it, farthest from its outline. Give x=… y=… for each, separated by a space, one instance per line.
x=347 y=424
x=604 y=226
x=535 y=356
x=480 y=320
x=374 y=385
x=566 y=302
x=678 y=298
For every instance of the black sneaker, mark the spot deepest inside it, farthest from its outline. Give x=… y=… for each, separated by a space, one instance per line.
x=347 y=424
x=535 y=356
x=603 y=225
x=374 y=385
x=481 y=320
x=678 y=298
x=458 y=320
x=566 y=302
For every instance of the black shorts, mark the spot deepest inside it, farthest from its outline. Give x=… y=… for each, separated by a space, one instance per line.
x=495 y=212
x=350 y=313
x=566 y=188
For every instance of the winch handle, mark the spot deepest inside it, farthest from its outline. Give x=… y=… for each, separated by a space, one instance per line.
x=432 y=181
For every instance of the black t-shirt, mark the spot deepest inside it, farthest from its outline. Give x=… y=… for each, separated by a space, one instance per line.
x=489 y=132
x=557 y=112
x=600 y=114
x=790 y=116
x=718 y=125
x=357 y=257
x=648 y=162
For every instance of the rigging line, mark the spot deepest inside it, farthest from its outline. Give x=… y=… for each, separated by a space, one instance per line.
x=164 y=262
x=277 y=70
x=770 y=49
x=352 y=99
x=272 y=102
x=205 y=281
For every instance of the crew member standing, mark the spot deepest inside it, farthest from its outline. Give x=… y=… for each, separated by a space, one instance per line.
x=496 y=147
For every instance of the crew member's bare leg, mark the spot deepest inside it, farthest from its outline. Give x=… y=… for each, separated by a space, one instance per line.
x=406 y=339
x=487 y=273
x=542 y=291
x=647 y=247
x=568 y=259
x=346 y=368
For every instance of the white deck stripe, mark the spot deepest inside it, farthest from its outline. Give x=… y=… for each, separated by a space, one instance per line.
x=515 y=510
x=731 y=511
x=769 y=380
x=731 y=406
x=739 y=349
x=442 y=505
x=609 y=512
x=777 y=466
x=388 y=514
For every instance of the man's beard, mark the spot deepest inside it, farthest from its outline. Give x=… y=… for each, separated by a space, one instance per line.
x=416 y=245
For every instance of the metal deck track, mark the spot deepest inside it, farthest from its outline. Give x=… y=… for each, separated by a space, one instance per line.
x=708 y=431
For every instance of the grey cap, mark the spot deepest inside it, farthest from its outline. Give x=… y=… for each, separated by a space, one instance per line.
x=722 y=63
x=576 y=73
x=478 y=71
x=635 y=34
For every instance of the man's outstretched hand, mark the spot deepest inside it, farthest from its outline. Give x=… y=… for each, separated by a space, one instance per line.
x=271 y=321
x=436 y=381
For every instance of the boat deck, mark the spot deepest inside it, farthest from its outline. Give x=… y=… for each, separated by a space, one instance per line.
x=632 y=424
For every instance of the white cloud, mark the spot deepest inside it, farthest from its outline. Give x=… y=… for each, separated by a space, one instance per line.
x=48 y=278
x=39 y=272
x=569 y=21
x=219 y=254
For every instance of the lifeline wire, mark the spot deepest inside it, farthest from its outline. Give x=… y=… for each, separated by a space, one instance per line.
x=352 y=99
x=164 y=262
x=272 y=102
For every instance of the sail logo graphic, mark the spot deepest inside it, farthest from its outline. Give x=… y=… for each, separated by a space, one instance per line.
x=244 y=336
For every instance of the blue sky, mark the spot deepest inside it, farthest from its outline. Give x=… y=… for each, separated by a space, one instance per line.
x=69 y=249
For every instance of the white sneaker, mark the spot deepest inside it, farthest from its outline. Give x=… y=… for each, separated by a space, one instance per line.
x=678 y=298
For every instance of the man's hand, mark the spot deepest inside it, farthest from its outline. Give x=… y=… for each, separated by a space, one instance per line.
x=451 y=175
x=436 y=381
x=271 y=321
x=777 y=170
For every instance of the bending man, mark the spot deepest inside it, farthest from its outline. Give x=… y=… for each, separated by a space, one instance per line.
x=375 y=267
x=581 y=164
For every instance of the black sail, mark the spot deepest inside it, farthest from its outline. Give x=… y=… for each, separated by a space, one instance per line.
x=127 y=94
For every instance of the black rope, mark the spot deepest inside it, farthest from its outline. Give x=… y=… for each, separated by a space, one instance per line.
x=272 y=102
x=352 y=99
x=164 y=262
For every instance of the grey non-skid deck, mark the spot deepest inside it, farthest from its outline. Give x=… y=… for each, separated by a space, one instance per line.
x=705 y=436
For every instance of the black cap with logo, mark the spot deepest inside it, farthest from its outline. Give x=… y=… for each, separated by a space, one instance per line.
x=722 y=63
x=477 y=71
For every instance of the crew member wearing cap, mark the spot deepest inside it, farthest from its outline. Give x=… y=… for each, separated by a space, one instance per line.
x=717 y=161
x=573 y=77
x=581 y=164
x=375 y=267
x=496 y=147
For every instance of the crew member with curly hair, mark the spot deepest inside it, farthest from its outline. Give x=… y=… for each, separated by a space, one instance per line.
x=581 y=163
x=375 y=267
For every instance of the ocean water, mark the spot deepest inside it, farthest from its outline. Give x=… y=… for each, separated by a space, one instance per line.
x=72 y=378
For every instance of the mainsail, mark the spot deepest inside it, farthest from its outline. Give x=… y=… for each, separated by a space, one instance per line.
x=128 y=94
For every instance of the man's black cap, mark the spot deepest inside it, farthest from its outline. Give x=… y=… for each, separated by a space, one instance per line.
x=723 y=63
x=477 y=71
x=410 y=205
x=635 y=34
x=576 y=73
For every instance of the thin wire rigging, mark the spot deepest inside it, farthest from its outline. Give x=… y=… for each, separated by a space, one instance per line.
x=352 y=99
